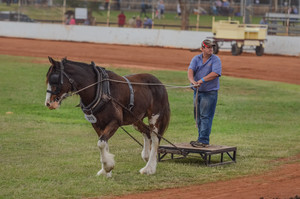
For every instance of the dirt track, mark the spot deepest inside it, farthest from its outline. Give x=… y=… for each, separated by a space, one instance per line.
x=281 y=183
x=267 y=67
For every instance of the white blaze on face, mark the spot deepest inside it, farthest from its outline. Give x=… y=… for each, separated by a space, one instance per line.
x=48 y=95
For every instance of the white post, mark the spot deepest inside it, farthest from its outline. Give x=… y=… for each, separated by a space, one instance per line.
x=19 y=9
x=64 y=11
x=288 y=19
x=276 y=5
x=108 y=13
x=153 y=14
x=153 y=10
x=50 y=3
x=198 y=16
x=242 y=9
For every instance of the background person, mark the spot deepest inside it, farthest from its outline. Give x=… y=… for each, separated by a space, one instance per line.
x=106 y=4
x=225 y=9
x=263 y=21
x=132 y=22
x=147 y=23
x=204 y=72
x=178 y=11
x=219 y=6
x=121 y=19
x=214 y=9
x=72 y=20
x=138 y=22
x=294 y=10
x=161 y=9
x=144 y=7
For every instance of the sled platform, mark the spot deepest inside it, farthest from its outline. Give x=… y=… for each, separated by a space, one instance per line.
x=182 y=150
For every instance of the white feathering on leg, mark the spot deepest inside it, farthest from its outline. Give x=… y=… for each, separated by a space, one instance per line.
x=150 y=167
x=106 y=158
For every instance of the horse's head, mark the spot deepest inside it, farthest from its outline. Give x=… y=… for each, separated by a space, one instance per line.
x=58 y=84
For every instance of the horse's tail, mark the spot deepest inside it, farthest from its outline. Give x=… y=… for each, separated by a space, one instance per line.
x=165 y=114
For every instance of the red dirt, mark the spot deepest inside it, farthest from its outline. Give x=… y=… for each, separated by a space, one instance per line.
x=284 y=182
x=267 y=67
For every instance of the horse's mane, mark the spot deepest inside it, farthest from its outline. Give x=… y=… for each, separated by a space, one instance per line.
x=81 y=64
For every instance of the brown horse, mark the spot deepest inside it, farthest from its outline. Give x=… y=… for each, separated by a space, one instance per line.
x=110 y=101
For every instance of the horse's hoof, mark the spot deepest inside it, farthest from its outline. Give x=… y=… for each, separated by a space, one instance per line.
x=103 y=172
x=109 y=175
x=147 y=171
x=99 y=172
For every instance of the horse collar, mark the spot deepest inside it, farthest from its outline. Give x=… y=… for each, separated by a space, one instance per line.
x=102 y=92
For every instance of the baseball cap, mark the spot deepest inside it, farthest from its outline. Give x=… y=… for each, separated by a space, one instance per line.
x=207 y=43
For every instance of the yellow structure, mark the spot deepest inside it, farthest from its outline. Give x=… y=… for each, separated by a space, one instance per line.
x=239 y=34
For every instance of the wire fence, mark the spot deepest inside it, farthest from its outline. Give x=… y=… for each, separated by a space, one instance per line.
x=164 y=14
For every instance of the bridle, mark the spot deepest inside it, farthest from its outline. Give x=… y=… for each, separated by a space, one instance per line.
x=57 y=79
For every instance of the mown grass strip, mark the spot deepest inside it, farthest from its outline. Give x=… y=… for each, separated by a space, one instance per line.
x=53 y=154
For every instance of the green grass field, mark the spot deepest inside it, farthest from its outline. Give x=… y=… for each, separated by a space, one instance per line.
x=54 y=154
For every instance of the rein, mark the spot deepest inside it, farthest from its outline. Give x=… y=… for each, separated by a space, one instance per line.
x=124 y=82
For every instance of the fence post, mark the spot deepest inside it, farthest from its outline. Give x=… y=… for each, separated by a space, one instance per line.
x=198 y=16
x=64 y=11
x=108 y=13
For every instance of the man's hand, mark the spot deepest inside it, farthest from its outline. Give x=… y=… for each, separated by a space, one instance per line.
x=197 y=84
x=191 y=79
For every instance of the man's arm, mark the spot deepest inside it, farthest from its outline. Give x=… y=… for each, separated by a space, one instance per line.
x=191 y=77
x=209 y=77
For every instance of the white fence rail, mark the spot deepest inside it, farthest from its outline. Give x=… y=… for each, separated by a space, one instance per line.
x=282 y=45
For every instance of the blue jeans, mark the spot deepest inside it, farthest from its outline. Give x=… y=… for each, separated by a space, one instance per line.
x=206 y=106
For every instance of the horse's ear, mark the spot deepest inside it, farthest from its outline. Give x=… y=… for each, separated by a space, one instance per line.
x=51 y=61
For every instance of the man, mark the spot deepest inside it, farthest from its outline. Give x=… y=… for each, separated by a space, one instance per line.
x=204 y=72
x=263 y=21
x=132 y=22
x=144 y=7
x=121 y=19
x=147 y=23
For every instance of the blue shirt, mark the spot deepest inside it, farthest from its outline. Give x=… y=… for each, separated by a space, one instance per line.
x=213 y=64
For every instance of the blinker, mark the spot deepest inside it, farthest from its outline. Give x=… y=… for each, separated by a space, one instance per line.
x=54 y=79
